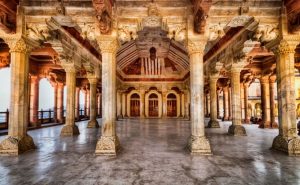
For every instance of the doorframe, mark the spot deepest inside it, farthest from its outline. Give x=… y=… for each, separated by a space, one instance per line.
x=159 y=103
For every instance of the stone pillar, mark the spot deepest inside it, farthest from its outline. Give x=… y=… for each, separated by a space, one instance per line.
x=108 y=143
x=119 y=105
x=164 y=103
x=243 y=101
x=124 y=104
x=247 y=117
x=213 y=122
x=225 y=102
x=229 y=104
x=287 y=140
x=142 y=102
x=236 y=129
x=88 y=100
x=182 y=105
x=265 y=99
x=198 y=143
x=100 y=105
x=93 y=103
x=218 y=105
x=85 y=103
x=18 y=141
x=60 y=102
x=34 y=101
x=77 y=102
x=55 y=88
x=70 y=128
x=274 y=124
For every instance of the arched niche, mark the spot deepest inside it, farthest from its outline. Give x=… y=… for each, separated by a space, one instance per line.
x=159 y=99
x=129 y=100
x=173 y=92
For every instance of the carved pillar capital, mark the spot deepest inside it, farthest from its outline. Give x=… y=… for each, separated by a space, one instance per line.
x=108 y=44
x=196 y=46
x=286 y=47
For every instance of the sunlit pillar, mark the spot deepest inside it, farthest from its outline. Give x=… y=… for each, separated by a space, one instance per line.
x=236 y=129
x=18 y=140
x=242 y=101
x=77 y=104
x=60 y=103
x=34 y=101
x=274 y=124
x=142 y=102
x=287 y=140
x=226 y=103
x=93 y=103
x=198 y=143
x=70 y=128
x=247 y=115
x=213 y=122
x=265 y=99
x=108 y=143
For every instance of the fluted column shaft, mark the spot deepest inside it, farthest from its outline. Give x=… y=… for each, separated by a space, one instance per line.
x=60 y=102
x=77 y=106
x=242 y=101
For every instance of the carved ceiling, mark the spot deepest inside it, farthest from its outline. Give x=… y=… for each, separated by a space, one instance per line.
x=8 y=9
x=293 y=12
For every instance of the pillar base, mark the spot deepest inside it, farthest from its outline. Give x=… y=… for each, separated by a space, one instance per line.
x=93 y=124
x=14 y=146
x=288 y=146
x=274 y=125
x=237 y=130
x=199 y=146
x=213 y=124
x=108 y=145
x=69 y=130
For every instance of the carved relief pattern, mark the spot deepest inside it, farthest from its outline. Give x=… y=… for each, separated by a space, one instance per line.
x=108 y=45
x=196 y=46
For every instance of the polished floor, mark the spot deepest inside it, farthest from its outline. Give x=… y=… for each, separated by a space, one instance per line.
x=153 y=153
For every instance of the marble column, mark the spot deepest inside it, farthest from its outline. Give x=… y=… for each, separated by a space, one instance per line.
x=242 y=101
x=108 y=143
x=218 y=105
x=85 y=103
x=119 y=105
x=274 y=124
x=123 y=104
x=265 y=99
x=70 y=128
x=77 y=104
x=164 y=103
x=225 y=102
x=60 y=102
x=34 y=101
x=213 y=122
x=198 y=143
x=229 y=104
x=287 y=141
x=142 y=102
x=93 y=123
x=88 y=100
x=18 y=141
x=247 y=116
x=182 y=105
x=55 y=88
x=100 y=105
x=236 y=129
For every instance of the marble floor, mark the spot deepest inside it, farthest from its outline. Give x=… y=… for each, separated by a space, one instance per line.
x=153 y=153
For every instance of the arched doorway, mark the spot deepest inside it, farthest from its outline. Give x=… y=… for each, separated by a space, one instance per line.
x=171 y=105
x=135 y=105
x=153 y=105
